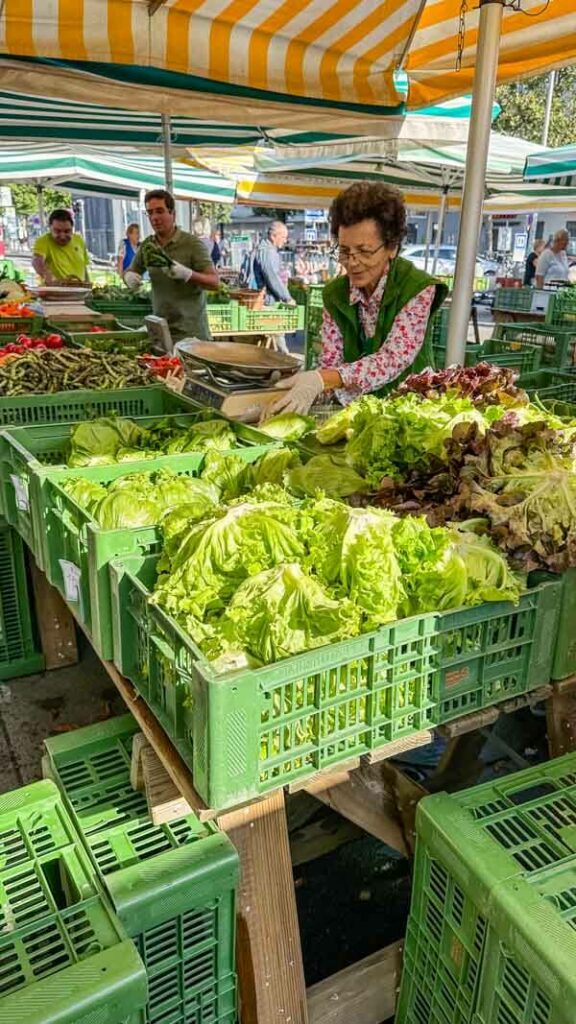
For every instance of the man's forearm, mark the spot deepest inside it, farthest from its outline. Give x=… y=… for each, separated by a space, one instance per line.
x=39 y=265
x=210 y=281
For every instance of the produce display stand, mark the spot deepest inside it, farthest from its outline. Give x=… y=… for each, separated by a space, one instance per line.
x=370 y=791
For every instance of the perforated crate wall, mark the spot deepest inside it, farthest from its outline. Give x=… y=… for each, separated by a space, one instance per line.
x=60 y=944
x=19 y=651
x=493 y=917
x=172 y=885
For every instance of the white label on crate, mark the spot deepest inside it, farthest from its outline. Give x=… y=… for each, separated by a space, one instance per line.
x=72 y=577
x=21 y=493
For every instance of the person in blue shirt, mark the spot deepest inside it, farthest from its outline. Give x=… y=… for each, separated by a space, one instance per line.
x=128 y=248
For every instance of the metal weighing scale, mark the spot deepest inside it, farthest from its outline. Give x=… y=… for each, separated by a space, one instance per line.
x=231 y=376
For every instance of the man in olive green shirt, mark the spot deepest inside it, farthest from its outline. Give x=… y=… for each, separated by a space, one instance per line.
x=61 y=256
x=177 y=290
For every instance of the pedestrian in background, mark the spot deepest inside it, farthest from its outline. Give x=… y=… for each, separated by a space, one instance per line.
x=128 y=248
x=530 y=271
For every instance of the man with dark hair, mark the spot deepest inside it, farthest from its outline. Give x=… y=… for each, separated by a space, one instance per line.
x=60 y=256
x=178 y=287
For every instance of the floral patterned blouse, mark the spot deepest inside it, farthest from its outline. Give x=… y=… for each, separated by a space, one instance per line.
x=397 y=352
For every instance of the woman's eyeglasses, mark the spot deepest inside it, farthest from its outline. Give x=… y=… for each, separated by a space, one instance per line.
x=364 y=256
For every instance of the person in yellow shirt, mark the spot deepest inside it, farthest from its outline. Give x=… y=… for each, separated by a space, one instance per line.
x=60 y=256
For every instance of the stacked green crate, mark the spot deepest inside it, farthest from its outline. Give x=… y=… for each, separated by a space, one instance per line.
x=492 y=931
x=314 y=313
x=64 y=956
x=19 y=651
x=555 y=342
x=172 y=886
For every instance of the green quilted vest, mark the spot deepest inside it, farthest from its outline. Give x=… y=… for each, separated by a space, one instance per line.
x=403 y=283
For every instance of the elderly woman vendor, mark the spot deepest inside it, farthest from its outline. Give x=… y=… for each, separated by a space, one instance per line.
x=375 y=322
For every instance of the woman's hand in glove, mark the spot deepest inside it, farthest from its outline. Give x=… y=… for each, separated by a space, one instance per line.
x=302 y=390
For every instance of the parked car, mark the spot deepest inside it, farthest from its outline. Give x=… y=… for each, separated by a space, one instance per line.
x=446 y=264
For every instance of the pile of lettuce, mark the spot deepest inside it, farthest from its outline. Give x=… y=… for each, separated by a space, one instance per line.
x=268 y=576
x=143 y=499
x=108 y=440
x=388 y=438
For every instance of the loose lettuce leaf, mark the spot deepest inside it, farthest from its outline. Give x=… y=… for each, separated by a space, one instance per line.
x=325 y=474
x=229 y=473
x=272 y=467
x=288 y=426
x=104 y=437
x=339 y=426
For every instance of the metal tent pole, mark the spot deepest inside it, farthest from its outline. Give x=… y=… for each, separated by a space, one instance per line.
x=441 y=221
x=167 y=147
x=548 y=112
x=489 y=31
x=428 y=238
x=41 y=212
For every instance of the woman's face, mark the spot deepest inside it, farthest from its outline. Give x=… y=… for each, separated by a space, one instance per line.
x=134 y=235
x=363 y=253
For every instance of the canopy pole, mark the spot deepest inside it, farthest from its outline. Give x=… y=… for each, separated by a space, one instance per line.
x=548 y=111
x=440 y=229
x=489 y=32
x=428 y=237
x=41 y=211
x=167 y=147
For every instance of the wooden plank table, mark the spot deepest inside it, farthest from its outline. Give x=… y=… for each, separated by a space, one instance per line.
x=371 y=792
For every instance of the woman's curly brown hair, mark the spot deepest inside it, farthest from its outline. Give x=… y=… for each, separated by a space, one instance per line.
x=371 y=201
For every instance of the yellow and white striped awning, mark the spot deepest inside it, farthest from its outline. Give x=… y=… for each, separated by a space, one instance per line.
x=265 y=61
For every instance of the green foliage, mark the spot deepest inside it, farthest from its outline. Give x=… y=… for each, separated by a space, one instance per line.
x=524 y=103
x=274 y=212
x=217 y=213
x=25 y=199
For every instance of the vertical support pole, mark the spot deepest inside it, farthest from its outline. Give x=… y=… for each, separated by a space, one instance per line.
x=167 y=147
x=41 y=211
x=428 y=237
x=548 y=110
x=440 y=231
x=489 y=31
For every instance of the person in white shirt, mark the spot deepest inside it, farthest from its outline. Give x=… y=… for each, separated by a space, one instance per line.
x=553 y=263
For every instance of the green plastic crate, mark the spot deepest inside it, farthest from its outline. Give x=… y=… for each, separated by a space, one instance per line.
x=30 y=455
x=77 y=551
x=72 y=406
x=521 y=357
x=557 y=343
x=31 y=325
x=491 y=935
x=497 y=651
x=439 y=326
x=550 y=385
x=473 y=355
x=172 y=886
x=565 y=653
x=120 y=309
x=247 y=732
x=271 y=318
x=20 y=654
x=562 y=312
x=515 y=299
x=64 y=956
x=223 y=317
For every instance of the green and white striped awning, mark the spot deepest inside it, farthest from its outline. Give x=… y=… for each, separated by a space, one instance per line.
x=111 y=172
x=555 y=167
x=39 y=118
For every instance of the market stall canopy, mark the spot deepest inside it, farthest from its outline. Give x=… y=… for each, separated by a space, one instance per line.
x=282 y=63
x=555 y=167
x=112 y=173
x=421 y=172
x=46 y=119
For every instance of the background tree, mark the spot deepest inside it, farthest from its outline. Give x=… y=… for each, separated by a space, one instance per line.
x=274 y=212
x=25 y=199
x=217 y=213
x=524 y=104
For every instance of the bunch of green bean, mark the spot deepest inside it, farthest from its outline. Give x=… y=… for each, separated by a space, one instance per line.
x=46 y=372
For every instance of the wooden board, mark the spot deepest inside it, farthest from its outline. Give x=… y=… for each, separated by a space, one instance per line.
x=269 y=954
x=364 y=993
x=561 y=718
x=165 y=802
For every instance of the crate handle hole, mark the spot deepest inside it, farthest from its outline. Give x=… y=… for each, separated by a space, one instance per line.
x=60 y=883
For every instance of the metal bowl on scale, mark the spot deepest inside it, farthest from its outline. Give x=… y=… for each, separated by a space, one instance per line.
x=235 y=361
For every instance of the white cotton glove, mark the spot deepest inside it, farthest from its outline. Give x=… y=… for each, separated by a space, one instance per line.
x=132 y=280
x=302 y=390
x=178 y=272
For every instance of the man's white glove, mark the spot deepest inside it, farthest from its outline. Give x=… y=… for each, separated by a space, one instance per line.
x=178 y=272
x=132 y=280
x=302 y=390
